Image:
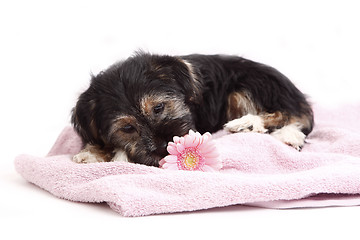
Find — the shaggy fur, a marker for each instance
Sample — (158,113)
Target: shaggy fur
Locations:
(135,107)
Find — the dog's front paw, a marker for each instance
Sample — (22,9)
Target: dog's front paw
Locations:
(86,156)
(247,123)
(290,135)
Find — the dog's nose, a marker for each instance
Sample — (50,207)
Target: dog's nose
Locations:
(161,149)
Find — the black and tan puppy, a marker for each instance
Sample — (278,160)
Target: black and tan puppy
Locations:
(135,107)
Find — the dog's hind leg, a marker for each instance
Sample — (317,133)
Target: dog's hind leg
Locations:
(242,114)
(245,116)
(288,129)
(247,123)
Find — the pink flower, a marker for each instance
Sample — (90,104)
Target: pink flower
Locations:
(192,152)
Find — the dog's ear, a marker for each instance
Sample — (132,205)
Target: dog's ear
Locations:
(182,72)
(84,121)
(190,82)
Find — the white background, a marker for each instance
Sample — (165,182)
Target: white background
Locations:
(49,48)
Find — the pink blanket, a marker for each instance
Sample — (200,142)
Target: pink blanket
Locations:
(258,170)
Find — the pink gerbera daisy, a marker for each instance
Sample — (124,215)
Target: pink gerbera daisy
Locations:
(192,152)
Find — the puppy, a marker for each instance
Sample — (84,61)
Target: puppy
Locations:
(135,107)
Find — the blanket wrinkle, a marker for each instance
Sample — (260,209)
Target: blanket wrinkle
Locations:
(258,170)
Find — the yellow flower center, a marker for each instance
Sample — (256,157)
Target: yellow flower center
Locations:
(190,159)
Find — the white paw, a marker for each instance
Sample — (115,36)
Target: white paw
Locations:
(290,135)
(247,123)
(86,157)
(120,156)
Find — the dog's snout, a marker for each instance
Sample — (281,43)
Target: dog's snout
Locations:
(161,149)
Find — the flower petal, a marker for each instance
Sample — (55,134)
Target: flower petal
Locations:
(207,168)
(197,134)
(207,147)
(191,132)
(182,140)
(176,139)
(202,144)
(180,147)
(171,148)
(206,137)
(197,142)
(188,140)
(171,159)
(207,134)
(162,162)
(213,154)
(170,166)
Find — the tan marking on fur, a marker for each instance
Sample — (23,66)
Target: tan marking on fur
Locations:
(176,108)
(280,119)
(275,120)
(163,76)
(155,67)
(173,107)
(132,148)
(120,122)
(240,104)
(304,120)
(128,141)
(155,71)
(147,104)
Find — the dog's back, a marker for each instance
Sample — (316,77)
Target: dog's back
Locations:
(234,87)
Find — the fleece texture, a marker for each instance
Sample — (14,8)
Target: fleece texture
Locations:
(257,170)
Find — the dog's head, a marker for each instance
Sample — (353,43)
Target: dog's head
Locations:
(138,105)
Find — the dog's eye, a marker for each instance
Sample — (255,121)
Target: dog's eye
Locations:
(128,129)
(159,108)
